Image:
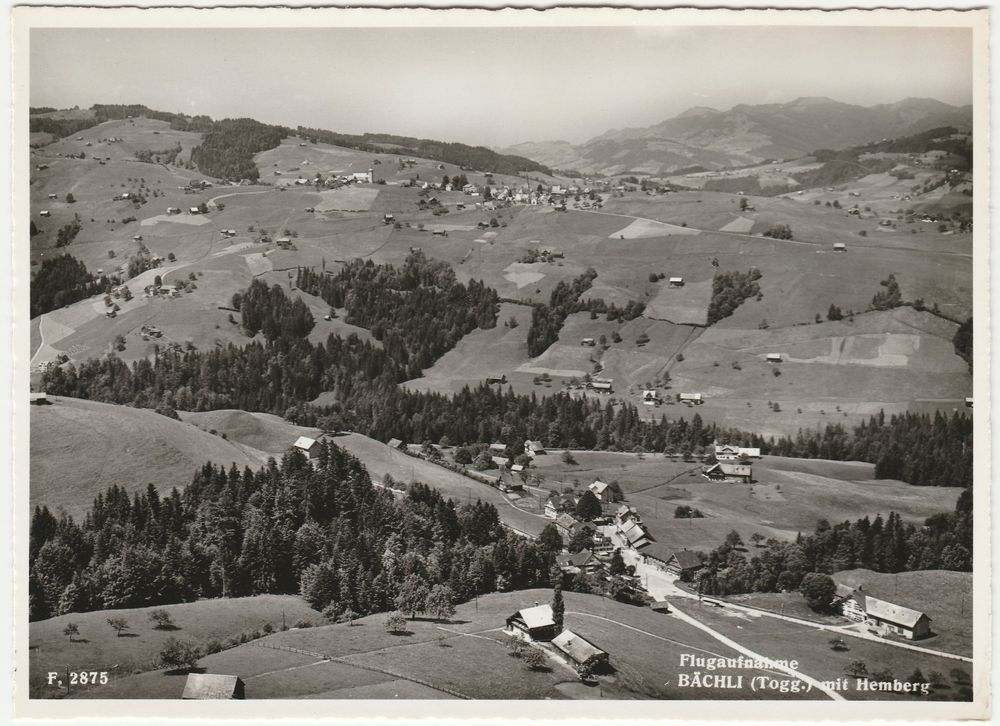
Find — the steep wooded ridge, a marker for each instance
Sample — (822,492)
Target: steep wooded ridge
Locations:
(745,134)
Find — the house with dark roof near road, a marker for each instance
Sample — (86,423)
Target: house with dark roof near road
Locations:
(684,563)
(881,615)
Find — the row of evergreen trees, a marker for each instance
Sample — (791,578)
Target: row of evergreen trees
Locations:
(919,448)
(321,529)
(943,542)
(729,290)
(547,320)
(462,155)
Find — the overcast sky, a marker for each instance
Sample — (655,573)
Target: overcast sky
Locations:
(492,86)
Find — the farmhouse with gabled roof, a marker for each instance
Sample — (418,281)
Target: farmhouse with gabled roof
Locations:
(536,622)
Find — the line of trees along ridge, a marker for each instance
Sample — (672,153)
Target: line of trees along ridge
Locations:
(462,155)
(943,542)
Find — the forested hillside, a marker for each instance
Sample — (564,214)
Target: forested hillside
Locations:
(63,280)
(322,530)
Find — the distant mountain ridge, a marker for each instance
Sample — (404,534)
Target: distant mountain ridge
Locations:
(745,134)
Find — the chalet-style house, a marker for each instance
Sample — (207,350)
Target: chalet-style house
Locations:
(735,453)
(603,545)
(600,490)
(560,504)
(626,512)
(881,615)
(309,447)
(579,650)
(566,524)
(582,561)
(684,563)
(533,448)
(724,471)
(634,534)
(535,622)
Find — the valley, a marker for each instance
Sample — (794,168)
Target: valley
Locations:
(351,373)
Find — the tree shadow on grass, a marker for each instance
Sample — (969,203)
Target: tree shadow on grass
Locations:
(78,640)
(170,627)
(401,632)
(128,635)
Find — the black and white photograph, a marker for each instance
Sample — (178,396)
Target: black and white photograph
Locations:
(427,356)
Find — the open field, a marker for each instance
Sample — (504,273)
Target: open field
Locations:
(481,353)
(945,595)
(80,448)
(927,263)
(789,495)
(830,369)
(261,431)
(351,199)
(682,305)
(810,646)
(98,647)
(642,228)
(365,660)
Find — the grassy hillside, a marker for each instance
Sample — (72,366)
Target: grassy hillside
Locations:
(789,496)
(97,647)
(368,662)
(811,647)
(522,512)
(80,448)
(262,431)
